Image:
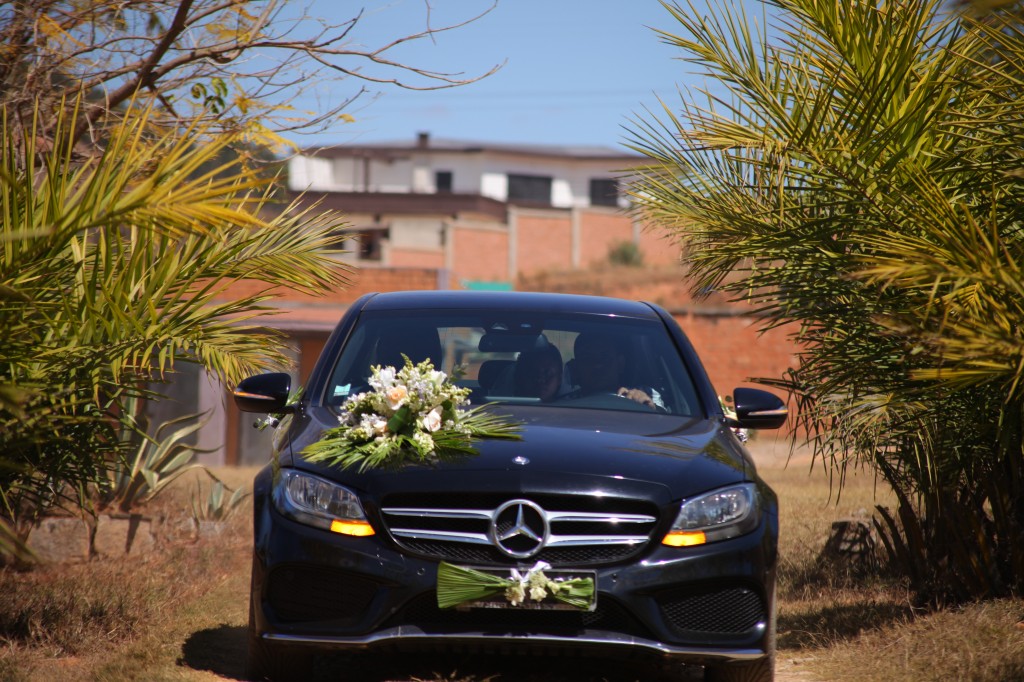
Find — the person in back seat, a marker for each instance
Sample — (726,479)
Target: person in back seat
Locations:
(539,373)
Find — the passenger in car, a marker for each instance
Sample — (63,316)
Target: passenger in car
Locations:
(539,373)
(599,367)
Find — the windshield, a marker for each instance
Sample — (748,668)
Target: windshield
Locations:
(558,360)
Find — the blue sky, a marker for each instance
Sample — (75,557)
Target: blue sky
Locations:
(575,71)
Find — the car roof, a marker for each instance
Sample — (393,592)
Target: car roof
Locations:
(509,300)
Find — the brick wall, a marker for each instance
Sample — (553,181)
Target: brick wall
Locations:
(418,258)
(544,240)
(734,350)
(599,232)
(543,243)
(657,247)
(479,254)
(363,280)
(367,279)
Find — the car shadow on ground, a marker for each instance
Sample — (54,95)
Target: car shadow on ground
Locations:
(221,651)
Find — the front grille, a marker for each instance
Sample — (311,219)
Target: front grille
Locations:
(594,555)
(724,611)
(297,592)
(582,530)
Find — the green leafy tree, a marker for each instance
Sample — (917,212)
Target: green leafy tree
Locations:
(852,169)
(114,268)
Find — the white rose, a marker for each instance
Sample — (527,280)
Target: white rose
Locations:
(382,379)
(537,593)
(432,420)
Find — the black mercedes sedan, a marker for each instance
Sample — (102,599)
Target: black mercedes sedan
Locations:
(619,514)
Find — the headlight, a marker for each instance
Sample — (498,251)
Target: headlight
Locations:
(317,502)
(718,515)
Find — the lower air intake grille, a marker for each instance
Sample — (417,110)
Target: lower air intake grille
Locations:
(727,611)
(309,593)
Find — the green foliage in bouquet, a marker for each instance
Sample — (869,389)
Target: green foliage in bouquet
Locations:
(413,415)
(460,585)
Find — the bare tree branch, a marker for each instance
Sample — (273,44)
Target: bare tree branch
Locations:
(236,63)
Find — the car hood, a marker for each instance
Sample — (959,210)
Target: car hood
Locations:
(663,458)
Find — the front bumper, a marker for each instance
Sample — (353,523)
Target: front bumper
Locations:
(703,604)
(610,643)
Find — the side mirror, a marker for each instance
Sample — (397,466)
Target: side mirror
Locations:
(757,409)
(264,393)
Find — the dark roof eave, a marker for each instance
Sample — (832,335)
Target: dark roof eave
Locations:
(404,203)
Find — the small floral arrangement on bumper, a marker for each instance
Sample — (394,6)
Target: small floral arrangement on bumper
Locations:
(413,415)
(460,585)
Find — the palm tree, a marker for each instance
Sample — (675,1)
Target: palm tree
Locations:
(853,173)
(111,273)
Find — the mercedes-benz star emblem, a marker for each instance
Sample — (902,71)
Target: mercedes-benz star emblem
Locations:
(519,528)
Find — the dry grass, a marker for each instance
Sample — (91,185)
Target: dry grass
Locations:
(180,614)
(838,624)
(109,619)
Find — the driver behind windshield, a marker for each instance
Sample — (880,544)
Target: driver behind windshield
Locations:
(600,366)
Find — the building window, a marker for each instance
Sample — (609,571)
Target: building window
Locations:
(604,192)
(370,243)
(530,188)
(443,182)
(365,242)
